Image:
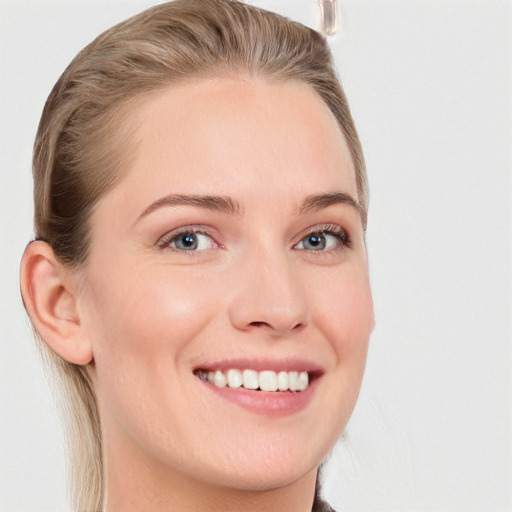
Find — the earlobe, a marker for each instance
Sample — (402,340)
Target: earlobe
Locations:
(50,299)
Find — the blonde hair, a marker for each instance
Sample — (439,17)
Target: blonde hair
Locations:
(80,146)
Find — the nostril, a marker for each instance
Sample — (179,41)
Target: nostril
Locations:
(259,324)
(292,327)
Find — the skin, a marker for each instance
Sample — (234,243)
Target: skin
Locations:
(145,314)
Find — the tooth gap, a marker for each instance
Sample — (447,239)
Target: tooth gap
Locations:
(201,374)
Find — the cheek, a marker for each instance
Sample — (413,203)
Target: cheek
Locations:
(344,313)
(143,328)
(140,325)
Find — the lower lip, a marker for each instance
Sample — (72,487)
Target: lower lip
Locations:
(276,403)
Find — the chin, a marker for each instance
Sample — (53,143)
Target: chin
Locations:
(263,478)
(265,467)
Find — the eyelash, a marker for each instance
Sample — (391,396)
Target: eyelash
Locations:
(340,234)
(165,241)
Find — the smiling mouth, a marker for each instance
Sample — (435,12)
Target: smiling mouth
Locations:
(266,380)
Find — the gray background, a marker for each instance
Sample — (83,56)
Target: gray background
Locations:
(430,86)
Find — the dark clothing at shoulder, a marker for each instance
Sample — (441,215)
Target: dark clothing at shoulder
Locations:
(319,505)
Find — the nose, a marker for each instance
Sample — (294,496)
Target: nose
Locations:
(269,297)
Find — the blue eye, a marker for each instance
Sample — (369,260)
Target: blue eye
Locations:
(315,242)
(189,241)
(324,240)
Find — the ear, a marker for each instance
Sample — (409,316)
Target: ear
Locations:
(49,292)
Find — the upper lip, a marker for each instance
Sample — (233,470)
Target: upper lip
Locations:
(258,364)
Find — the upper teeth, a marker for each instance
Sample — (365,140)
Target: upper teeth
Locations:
(266,380)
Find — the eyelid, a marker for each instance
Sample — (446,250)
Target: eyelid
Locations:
(330,229)
(164,241)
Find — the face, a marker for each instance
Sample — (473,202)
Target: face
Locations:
(231,250)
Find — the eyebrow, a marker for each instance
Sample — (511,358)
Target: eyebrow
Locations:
(317,202)
(313,202)
(213,203)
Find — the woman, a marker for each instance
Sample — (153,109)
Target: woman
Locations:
(199,278)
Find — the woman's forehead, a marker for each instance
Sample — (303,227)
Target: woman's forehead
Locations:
(235,137)
(217,124)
